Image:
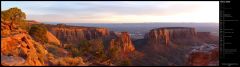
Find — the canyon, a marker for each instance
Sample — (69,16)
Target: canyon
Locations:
(168,45)
(68,45)
(123,43)
(167,35)
(72,34)
(164,46)
(165,41)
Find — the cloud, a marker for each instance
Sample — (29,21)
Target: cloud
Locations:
(115,11)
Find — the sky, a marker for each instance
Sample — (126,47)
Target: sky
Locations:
(118,11)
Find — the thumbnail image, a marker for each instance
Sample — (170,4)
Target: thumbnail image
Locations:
(109,33)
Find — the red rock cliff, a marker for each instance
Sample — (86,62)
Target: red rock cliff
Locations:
(73,34)
(204,55)
(18,48)
(50,37)
(123,43)
(170,34)
(21,45)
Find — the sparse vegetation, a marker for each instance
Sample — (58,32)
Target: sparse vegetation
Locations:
(15,16)
(67,61)
(97,49)
(38,31)
(74,50)
(41,51)
(93,49)
(84,46)
(114,53)
(126,62)
(52,49)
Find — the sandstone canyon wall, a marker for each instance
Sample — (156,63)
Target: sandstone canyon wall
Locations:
(169,45)
(51,38)
(204,55)
(169,35)
(73,34)
(123,42)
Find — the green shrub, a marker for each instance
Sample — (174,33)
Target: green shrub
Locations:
(68,61)
(15,16)
(94,47)
(74,50)
(97,49)
(84,46)
(113,53)
(125,63)
(38,32)
(53,49)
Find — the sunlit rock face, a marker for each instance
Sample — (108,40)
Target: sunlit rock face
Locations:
(18,48)
(204,55)
(168,35)
(8,28)
(123,42)
(123,46)
(22,47)
(168,45)
(51,38)
(73,34)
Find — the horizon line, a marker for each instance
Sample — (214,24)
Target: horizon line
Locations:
(127,23)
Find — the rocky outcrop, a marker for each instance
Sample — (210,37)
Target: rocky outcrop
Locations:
(204,55)
(11,60)
(22,46)
(207,37)
(9,28)
(73,34)
(51,38)
(167,35)
(18,48)
(167,46)
(123,43)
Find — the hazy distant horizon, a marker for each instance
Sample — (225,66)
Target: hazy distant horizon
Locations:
(127,23)
(118,11)
(145,27)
